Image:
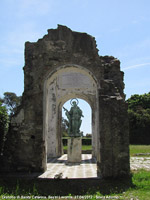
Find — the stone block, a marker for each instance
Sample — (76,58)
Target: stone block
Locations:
(74,150)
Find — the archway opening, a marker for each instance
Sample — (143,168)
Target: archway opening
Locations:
(65,83)
(59,167)
(85,129)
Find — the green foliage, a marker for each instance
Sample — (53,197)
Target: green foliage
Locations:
(81,133)
(12,101)
(8,107)
(108,189)
(4,120)
(85,141)
(137,102)
(1,100)
(89,135)
(84,147)
(142,179)
(139,118)
(64,127)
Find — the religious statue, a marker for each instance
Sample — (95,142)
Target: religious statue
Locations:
(74,119)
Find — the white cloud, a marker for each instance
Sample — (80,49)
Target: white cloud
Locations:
(10,62)
(114,30)
(135,51)
(135,66)
(34,7)
(140,19)
(26,32)
(12,48)
(7,49)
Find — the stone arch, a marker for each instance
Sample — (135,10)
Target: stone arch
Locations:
(68,81)
(60,52)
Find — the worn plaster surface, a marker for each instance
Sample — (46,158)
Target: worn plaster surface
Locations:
(70,81)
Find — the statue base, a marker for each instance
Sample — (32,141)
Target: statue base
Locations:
(74,150)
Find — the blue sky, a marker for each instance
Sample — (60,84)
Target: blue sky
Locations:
(121,29)
(87,113)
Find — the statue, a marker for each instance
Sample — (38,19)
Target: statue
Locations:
(74,118)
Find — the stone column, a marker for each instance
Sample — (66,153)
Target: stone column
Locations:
(74,150)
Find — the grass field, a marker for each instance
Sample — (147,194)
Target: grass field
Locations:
(84,147)
(138,190)
(134,149)
(111,189)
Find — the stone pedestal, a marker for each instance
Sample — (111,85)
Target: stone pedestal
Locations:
(74,150)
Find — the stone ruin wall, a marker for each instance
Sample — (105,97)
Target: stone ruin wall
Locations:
(25,145)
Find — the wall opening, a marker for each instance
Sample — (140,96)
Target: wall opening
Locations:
(85,129)
(59,167)
(65,83)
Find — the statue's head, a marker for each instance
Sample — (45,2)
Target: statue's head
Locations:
(74,103)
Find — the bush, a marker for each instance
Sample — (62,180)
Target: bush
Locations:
(85,141)
(139,119)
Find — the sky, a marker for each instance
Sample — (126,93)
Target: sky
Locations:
(121,29)
(86,127)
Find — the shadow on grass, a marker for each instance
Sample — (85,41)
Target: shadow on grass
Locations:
(63,187)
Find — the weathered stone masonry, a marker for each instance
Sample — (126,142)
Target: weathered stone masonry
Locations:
(63,65)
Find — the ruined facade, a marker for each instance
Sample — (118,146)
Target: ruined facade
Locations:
(60,66)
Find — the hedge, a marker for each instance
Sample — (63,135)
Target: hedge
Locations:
(85,141)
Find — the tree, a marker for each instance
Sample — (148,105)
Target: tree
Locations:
(139,118)
(12,101)
(4,120)
(1,100)
(81,133)
(8,107)
(64,126)
(89,135)
(136,102)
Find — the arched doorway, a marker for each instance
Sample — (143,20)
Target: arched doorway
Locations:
(86,127)
(67,82)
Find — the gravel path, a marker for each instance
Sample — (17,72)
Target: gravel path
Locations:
(140,163)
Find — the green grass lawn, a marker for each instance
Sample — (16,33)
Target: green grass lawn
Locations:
(138,190)
(84,147)
(110,189)
(134,149)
